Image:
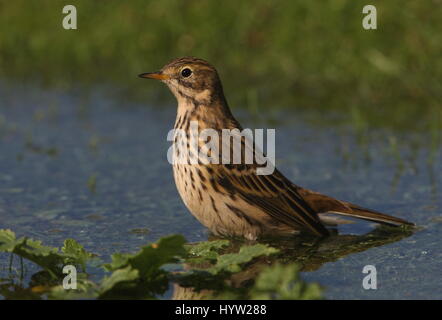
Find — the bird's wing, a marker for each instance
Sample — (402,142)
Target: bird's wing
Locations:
(273,194)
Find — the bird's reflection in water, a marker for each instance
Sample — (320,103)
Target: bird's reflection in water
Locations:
(310,253)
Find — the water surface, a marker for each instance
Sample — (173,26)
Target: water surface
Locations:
(94,168)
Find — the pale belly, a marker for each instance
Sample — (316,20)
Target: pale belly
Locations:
(221,214)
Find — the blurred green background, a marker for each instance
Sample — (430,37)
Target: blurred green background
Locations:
(270,54)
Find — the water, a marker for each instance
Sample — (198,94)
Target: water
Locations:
(95,169)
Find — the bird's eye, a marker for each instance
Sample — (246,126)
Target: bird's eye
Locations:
(186,72)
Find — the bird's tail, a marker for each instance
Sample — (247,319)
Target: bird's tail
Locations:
(371,215)
(325,205)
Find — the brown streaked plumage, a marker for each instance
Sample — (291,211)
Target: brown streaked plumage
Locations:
(231,199)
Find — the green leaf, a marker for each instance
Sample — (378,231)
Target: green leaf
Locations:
(7,241)
(146,274)
(118,276)
(86,289)
(46,257)
(152,257)
(283,282)
(75,252)
(232,262)
(119,260)
(206,251)
(151,279)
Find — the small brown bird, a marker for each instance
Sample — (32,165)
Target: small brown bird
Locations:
(232,199)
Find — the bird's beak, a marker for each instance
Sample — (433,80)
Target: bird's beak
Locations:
(154,75)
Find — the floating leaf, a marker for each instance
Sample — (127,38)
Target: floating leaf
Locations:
(207,250)
(92,183)
(44,256)
(147,273)
(152,256)
(118,276)
(151,278)
(7,240)
(49,258)
(283,282)
(77,252)
(231,262)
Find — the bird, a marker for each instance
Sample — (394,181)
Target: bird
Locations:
(231,199)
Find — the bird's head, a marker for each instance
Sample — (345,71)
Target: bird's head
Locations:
(191,80)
